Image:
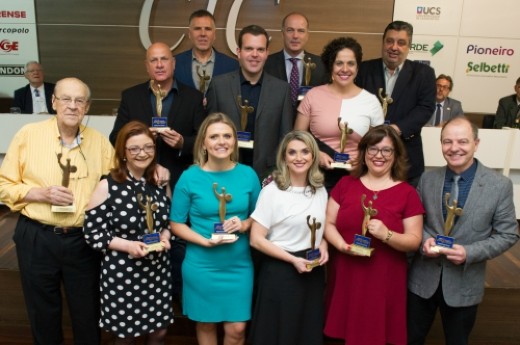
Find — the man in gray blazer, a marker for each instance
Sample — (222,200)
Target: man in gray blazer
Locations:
(452,279)
(445,107)
(270,115)
(508,111)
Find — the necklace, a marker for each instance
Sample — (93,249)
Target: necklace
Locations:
(374,195)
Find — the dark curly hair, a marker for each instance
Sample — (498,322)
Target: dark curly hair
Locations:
(331,50)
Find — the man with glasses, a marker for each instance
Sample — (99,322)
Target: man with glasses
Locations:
(48,174)
(409,84)
(445,107)
(508,110)
(35,97)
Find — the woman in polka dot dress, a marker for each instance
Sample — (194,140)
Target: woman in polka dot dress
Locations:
(135,281)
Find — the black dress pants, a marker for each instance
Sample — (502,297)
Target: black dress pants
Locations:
(46,261)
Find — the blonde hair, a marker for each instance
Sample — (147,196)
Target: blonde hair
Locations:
(200,155)
(282,176)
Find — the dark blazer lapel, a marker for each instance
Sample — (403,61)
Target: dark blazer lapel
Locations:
(404,78)
(28,99)
(264,94)
(235,90)
(438,196)
(280,65)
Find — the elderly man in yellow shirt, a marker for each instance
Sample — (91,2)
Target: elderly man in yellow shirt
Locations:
(48,174)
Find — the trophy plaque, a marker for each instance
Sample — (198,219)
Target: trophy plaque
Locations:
(385,101)
(309,66)
(203,80)
(361,244)
(159,123)
(244,137)
(66,169)
(313,254)
(341,158)
(152,239)
(218,230)
(445,241)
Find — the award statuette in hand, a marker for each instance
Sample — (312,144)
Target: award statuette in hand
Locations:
(361,244)
(313,254)
(66,169)
(385,102)
(341,158)
(308,67)
(244,137)
(223,198)
(159,122)
(152,239)
(445,241)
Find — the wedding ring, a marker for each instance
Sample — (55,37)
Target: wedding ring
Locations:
(233,221)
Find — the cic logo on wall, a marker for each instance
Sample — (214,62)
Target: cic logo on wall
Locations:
(146,11)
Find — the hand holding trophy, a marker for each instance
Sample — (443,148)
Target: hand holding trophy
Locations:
(67,169)
(340,158)
(218,230)
(152,239)
(159,122)
(244,137)
(313,254)
(361,244)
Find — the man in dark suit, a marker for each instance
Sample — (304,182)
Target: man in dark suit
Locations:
(445,107)
(410,84)
(452,279)
(35,97)
(181,105)
(270,114)
(508,111)
(295,33)
(196,66)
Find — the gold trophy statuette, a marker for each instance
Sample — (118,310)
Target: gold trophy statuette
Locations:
(309,67)
(203,80)
(385,100)
(152,238)
(66,169)
(451,211)
(341,158)
(159,122)
(223,198)
(361,244)
(244,138)
(313,254)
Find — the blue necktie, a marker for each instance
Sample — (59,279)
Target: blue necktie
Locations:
(36,93)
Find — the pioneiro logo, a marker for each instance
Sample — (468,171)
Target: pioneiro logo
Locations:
(12,70)
(8,46)
(428,13)
(425,47)
(473,49)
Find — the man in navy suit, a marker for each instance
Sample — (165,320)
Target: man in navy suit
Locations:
(446,107)
(270,114)
(410,84)
(198,65)
(295,33)
(35,97)
(452,279)
(508,111)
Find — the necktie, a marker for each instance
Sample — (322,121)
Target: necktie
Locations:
(36,93)
(294,80)
(437,115)
(455,189)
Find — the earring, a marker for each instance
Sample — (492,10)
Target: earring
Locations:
(204,152)
(124,159)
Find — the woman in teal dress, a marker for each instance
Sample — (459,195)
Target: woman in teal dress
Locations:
(217,272)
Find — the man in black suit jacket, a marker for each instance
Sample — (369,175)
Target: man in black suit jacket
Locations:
(410,84)
(295,33)
(35,97)
(508,111)
(182,105)
(271,117)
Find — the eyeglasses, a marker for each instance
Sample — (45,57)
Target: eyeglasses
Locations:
(385,151)
(33,70)
(80,102)
(135,150)
(443,87)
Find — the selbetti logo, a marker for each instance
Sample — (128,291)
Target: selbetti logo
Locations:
(484,67)
(8,46)
(425,47)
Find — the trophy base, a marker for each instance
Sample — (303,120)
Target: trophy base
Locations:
(155,247)
(313,264)
(362,251)
(339,165)
(224,237)
(159,129)
(63,209)
(246,144)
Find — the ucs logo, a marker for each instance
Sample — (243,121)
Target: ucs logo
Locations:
(8,46)
(436,11)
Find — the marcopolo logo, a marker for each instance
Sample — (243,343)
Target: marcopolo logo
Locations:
(8,46)
(473,49)
(425,47)
(12,70)
(428,13)
(487,68)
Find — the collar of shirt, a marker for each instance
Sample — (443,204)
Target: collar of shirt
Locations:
(211,58)
(77,140)
(40,89)
(288,65)
(466,175)
(396,71)
(243,79)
